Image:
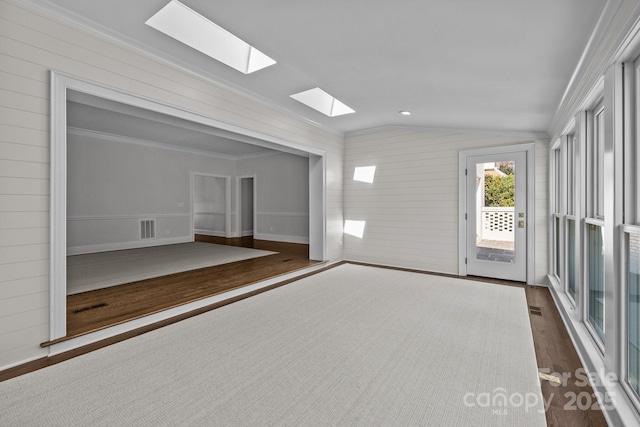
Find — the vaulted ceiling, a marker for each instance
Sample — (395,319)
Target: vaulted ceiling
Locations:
(473,64)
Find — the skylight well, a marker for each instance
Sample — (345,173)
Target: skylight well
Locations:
(189,27)
(321,101)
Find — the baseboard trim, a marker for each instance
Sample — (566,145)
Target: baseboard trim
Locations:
(210,233)
(90,249)
(281,238)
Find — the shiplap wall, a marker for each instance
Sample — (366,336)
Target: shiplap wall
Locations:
(411,209)
(32,43)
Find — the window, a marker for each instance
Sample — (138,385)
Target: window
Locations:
(631,245)
(595,275)
(595,168)
(571,174)
(556,165)
(633,310)
(570,218)
(571,258)
(594,221)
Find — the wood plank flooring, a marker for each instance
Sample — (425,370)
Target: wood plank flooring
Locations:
(91,311)
(555,353)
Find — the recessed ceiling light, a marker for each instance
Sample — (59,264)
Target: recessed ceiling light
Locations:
(320,100)
(405,113)
(189,27)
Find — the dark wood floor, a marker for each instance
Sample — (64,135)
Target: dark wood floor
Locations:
(554,350)
(556,354)
(99,309)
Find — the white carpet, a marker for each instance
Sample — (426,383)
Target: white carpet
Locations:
(349,346)
(89,272)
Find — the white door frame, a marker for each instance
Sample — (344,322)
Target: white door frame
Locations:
(60,84)
(529,149)
(239,205)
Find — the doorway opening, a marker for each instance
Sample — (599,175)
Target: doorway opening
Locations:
(246,203)
(62,88)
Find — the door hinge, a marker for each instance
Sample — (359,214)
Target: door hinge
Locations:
(465,260)
(465,216)
(465,172)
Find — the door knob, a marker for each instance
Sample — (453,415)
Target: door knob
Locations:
(520,224)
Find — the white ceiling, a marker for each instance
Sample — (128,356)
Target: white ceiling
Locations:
(470,64)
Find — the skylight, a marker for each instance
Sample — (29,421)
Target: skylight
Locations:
(364,173)
(189,27)
(354,228)
(320,100)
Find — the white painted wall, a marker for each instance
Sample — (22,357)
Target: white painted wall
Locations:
(282,196)
(411,209)
(31,44)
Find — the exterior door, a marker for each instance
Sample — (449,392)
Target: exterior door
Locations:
(496,222)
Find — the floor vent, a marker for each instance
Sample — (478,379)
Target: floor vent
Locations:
(535,310)
(147,229)
(92,307)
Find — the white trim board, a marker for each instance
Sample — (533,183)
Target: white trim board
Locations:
(281,238)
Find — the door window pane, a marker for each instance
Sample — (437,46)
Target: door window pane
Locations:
(633,276)
(595,266)
(495,219)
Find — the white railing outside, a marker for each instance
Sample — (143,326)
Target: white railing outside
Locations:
(497,224)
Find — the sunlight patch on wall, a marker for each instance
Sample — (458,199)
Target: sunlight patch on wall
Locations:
(364,173)
(354,228)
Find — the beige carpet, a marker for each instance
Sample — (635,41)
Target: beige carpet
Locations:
(349,346)
(89,272)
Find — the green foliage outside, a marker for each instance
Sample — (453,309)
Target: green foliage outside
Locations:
(499,191)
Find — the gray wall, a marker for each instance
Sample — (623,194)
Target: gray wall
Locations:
(115,182)
(282,189)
